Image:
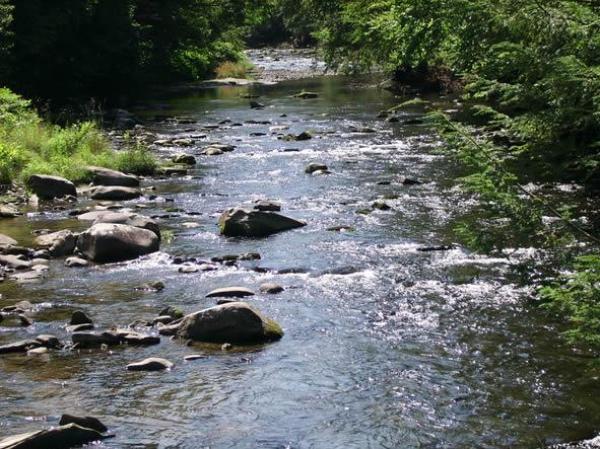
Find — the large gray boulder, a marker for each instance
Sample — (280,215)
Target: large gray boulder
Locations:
(106,177)
(61,243)
(253,223)
(104,242)
(49,187)
(115,193)
(138,221)
(235,322)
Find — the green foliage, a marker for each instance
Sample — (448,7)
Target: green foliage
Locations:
(11,161)
(135,158)
(577,296)
(29,145)
(66,50)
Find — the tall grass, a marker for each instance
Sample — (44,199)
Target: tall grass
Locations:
(30,145)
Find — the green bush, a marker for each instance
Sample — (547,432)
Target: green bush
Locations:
(136,161)
(11,161)
(28,145)
(575,297)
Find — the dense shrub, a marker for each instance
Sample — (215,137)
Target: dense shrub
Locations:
(29,145)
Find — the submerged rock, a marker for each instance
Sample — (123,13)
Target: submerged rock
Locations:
(229,323)
(267,206)
(115,193)
(137,339)
(381,205)
(49,187)
(239,222)
(95,339)
(230,292)
(62,437)
(315,167)
(151,364)
(186,159)
(306,95)
(106,177)
(105,243)
(305,135)
(210,151)
(271,288)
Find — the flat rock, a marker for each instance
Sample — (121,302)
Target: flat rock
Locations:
(14,262)
(49,187)
(230,292)
(306,95)
(106,177)
(239,222)
(191,358)
(27,276)
(114,193)
(137,339)
(236,323)
(63,437)
(150,364)
(104,243)
(19,346)
(95,339)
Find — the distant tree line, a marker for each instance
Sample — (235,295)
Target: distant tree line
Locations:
(63,49)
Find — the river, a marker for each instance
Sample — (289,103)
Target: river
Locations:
(385,346)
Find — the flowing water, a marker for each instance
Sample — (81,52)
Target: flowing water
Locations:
(385,346)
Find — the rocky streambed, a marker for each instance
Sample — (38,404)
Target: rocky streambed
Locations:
(291,279)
